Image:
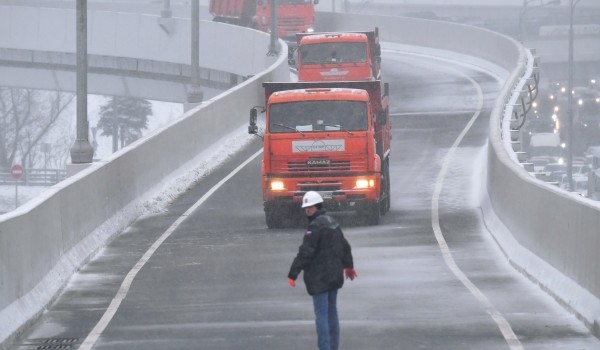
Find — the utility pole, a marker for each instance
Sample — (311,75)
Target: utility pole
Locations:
(81,151)
(274,47)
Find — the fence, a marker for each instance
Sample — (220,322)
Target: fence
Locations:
(34,177)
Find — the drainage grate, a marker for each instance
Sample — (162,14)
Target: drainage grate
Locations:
(58,343)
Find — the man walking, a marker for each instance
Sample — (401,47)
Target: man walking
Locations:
(325,256)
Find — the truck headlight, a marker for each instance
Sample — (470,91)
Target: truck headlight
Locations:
(277,185)
(365,183)
(310,30)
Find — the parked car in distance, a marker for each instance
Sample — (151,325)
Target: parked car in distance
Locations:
(539,162)
(580,184)
(551,168)
(581,169)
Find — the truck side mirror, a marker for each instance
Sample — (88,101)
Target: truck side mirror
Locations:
(316,2)
(253,128)
(291,60)
(386,89)
(378,51)
(383,116)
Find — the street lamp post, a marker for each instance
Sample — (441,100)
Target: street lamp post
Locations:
(522,13)
(572,4)
(165,21)
(195,94)
(274,46)
(166,11)
(81,151)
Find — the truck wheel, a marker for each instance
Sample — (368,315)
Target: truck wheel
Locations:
(272,217)
(384,206)
(388,192)
(372,213)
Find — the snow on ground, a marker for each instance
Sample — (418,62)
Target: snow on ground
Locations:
(9,199)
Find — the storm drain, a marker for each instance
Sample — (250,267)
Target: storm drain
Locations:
(58,343)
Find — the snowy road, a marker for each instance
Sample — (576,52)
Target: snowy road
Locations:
(430,277)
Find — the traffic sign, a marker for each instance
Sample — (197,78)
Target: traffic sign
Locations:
(16,171)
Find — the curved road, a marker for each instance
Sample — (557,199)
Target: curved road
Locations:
(207,274)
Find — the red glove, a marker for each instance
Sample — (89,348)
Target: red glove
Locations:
(291,282)
(350,273)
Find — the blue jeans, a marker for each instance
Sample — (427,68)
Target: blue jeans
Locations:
(326,320)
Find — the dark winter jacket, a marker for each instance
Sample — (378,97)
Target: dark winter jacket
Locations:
(323,255)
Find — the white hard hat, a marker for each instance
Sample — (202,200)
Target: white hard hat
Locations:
(311,198)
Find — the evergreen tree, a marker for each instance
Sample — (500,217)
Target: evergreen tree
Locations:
(124,118)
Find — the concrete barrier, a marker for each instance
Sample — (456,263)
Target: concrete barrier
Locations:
(132,44)
(45,241)
(129,35)
(553,237)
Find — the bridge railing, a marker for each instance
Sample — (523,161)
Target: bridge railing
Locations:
(33,177)
(123,66)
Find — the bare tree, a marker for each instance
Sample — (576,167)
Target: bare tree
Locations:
(26,117)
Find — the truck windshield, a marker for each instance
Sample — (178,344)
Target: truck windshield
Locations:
(306,116)
(325,53)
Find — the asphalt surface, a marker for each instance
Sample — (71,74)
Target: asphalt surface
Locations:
(219,280)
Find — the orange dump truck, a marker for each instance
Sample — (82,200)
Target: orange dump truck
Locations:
(345,56)
(333,138)
(293,16)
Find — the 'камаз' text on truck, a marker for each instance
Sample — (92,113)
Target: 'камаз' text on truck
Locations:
(345,56)
(293,16)
(333,138)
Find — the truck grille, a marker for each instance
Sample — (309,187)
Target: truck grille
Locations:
(325,167)
(319,186)
(291,22)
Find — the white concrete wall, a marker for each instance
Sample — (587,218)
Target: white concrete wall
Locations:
(44,242)
(551,236)
(131,35)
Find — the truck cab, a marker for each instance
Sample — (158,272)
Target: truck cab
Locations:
(348,56)
(326,139)
(293,16)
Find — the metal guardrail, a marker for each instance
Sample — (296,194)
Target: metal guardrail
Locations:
(517,105)
(34,177)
